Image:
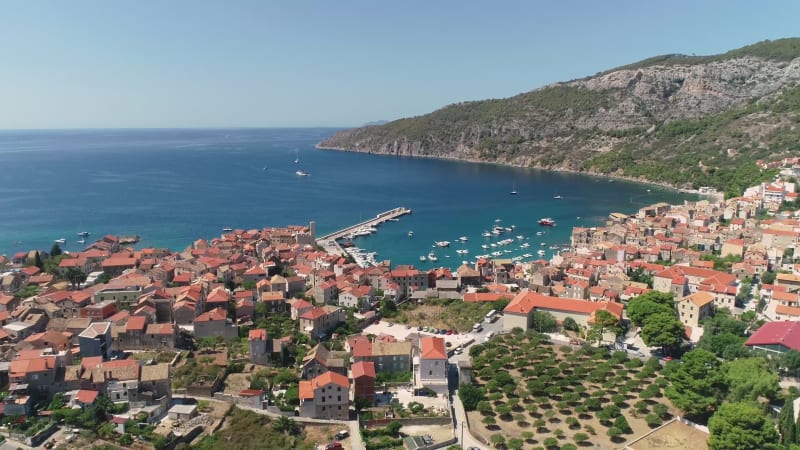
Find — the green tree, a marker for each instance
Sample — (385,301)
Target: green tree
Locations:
(749,379)
(786,423)
(570,324)
(604,322)
(768,277)
(741,426)
(55,250)
(470,396)
(622,423)
(698,385)
(543,322)
(663,330)
(645,305)
(75,276)
(515,443)
(37,260)
(497,440)
(388,308)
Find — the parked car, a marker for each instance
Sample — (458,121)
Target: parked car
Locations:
(334,446)
(427,440)
(442,331)
(420,328)
(342,434)
(458,351)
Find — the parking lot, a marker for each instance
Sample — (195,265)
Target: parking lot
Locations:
(401,332)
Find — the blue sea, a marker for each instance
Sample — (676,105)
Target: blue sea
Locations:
(172,186)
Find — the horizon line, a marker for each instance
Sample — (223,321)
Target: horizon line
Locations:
(184,128)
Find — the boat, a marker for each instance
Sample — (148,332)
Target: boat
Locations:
(538,233)
(463,239)
(84,234)
(462,252)
(423,258)
(432,257)
(557,197)
(443,244)
(541,252)
(81,241)
(227,230)
(520,237)
(547,221)
(265,168)
(296,157)
(410,234)
(513,189)
(486,234)
(301,173)
(60,241)
(543,244)
(484,246)
(497,220)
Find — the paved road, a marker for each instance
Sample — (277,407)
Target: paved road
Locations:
(462,434)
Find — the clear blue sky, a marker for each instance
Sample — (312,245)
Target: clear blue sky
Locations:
(94,64)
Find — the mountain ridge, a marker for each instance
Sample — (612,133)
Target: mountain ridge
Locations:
(682,121)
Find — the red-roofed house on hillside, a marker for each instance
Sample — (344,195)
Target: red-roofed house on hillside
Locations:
(776,337)
(430,366)
(320,320)
(363,375)
(326,396)
(214,323)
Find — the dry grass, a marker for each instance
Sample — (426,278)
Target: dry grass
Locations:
(673,436)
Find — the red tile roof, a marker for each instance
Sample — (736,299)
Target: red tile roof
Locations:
(258,334)
(86,396)
(432,348)
(136,323)
(363,369)
(783,333)
(215,314)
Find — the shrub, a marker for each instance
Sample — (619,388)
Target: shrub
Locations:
(652,420)
(614,432)
(580,437)
(550,442)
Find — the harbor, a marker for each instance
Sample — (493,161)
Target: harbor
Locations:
(364,259)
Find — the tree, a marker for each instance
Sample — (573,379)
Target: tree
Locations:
(698,385)
(388,308)
(55,250)
(768,277)
(75,276)
(622,423)
(749,379)
(580,437)
(645,305)
(543,322)
(37,260)
(570,324)
(515,443)
(470,396)
(663,330)
(741,426)
(614,433)
(604,322)
(489,421)
(283,424)
(786,423)
(497,439)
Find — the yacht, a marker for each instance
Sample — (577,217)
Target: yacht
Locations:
(443,244)
(81,241)
(301,173)
(60,241)
(541,252)
(462,252)
(227,230)
(513,189)
(557,197)
(410,234)
(547,221)
(463,239)
(84,234)
(486,234)
(296,157)
(423,258)
(484,246)
(432,257)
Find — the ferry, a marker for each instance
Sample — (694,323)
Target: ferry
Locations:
(301,173)
(443,244)
(84,234)
(547,222)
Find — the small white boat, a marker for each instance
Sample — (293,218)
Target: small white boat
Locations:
(543,244)
(486,234)
(423,258)
(301,173)
(520,237)
(81,241)
(462,251)
(538,233)
(227,230)
(296,157)
(541,252)
(484,246)
(432,257)
(60,241)
(463,239)
(84,234)
(410,234)
(513,189)
(443,244)
(557,197)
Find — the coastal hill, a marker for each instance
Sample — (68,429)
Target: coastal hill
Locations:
(686,121)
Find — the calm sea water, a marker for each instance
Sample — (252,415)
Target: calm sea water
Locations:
(173,186)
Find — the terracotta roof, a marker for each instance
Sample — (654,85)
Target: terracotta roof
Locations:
(527,301)
(136,323)
(258,334)
(363,369)
(432,348)
(213,315)
(787,310)
(783,333)
(700,298)
(86,396)
(306,390)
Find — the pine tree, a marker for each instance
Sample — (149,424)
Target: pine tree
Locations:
(786,423)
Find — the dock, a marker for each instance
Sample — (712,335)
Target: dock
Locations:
(328,241)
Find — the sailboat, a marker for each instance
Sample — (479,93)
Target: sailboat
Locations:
(513,189)
(296,157)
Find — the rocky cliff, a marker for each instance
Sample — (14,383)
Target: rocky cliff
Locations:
(683,120)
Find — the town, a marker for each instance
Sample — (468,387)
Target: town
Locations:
(119,346)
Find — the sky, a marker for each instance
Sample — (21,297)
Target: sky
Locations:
(176,64)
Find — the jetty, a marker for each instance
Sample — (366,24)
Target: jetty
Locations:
(328,241)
